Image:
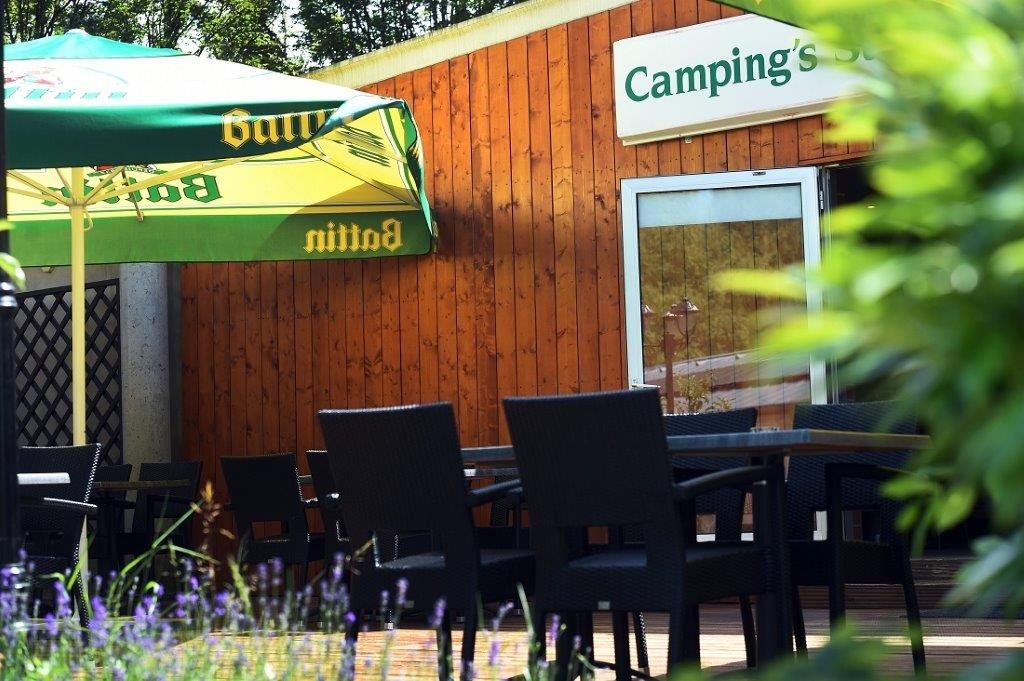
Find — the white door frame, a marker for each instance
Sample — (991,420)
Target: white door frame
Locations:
(807,178)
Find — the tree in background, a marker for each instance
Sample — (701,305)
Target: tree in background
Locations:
(253,32)
(340,29)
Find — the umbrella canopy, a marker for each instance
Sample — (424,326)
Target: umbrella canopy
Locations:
(301,169)
(163,156)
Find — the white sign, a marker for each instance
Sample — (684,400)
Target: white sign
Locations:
(724,74)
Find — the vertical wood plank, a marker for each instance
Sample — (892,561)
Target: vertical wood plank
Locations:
(728,11)
(647,164)
(409,315)
(583,202)
(715,153)
(686,13)
(390,322)
(221,362)
(621,26)
(564,217)
(337,349)
(268,337)
(465,240)
(447,343)
(809,132)
(236,341)
(355,380)
(663,19)
(762,146)
(426,266)
(609,314)
(305,419)
(522,218)
(483,254)
(737,144)
(288,438)
(253,362)
(543,216)
(504,244)
(190,362)
(319,279)
(708,10)
(785,144)
(373,317)
(204,366)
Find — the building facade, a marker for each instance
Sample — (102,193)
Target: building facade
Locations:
(568,261)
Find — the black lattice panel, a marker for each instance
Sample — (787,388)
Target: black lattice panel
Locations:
(43,349)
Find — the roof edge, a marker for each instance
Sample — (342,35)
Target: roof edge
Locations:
(463,38)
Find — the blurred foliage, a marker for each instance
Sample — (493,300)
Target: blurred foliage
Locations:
(925,281)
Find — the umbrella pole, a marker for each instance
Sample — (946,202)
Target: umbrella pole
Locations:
(78,305)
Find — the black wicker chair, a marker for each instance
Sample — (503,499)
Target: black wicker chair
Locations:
(840,483)
(159,506)
(53,515)
(399,470)
(725,504)
(267,489)
(335,536)
(601,460)
(110,520)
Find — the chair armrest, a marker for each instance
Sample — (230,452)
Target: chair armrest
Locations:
(312,502)
(733,477)
(499,490)
(64,505)
(331,502)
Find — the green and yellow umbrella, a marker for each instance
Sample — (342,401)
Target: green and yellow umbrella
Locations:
(161,156)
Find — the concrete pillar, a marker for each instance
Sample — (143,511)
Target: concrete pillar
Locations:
(145,363)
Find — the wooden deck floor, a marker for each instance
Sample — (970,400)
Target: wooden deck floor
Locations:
(952,644)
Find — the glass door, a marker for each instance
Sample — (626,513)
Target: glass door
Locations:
(683,335)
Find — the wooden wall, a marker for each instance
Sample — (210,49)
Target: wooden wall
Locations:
(524,295)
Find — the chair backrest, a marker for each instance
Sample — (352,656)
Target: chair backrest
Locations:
(399,470)
(595,460)
(805,481)
(266,489)
(153,503)
(51,532)
(725,504)
(320,471)
(121,472)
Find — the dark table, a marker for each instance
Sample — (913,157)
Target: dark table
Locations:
(769,447)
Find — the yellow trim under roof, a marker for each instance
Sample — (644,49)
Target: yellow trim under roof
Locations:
(468,36)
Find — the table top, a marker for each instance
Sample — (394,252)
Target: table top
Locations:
(44,479)
(137,484)
(799,442)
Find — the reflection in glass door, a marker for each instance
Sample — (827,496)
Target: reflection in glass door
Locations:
(685,336)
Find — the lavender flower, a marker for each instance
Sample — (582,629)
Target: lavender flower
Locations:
(402,586)
(556,625)
(98,631)
(492,656)
(437,617)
